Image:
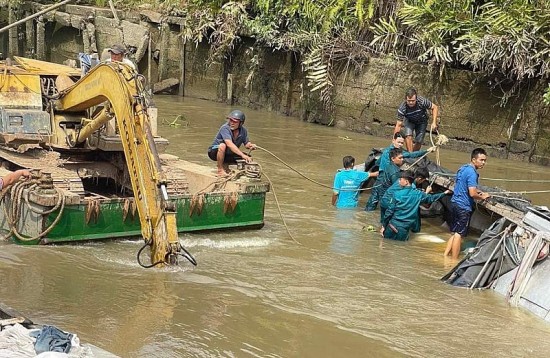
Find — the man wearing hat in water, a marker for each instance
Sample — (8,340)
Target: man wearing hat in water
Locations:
(117,53)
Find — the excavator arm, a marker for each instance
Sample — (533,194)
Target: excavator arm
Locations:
(121,86)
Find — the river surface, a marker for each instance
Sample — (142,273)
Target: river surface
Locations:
(341,292)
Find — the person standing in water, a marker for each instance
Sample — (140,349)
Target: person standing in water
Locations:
(462,202)
(347,183)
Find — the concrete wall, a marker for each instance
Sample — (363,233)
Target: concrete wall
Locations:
(365,101)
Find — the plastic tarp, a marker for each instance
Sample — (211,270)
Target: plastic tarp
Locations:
(495,254)
(16,342)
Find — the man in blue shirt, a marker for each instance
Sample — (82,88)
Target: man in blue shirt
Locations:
(347,183)
(225,148)
(462,202)
(413,115)
(401,216)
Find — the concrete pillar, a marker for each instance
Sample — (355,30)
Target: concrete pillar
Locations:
(229,98)
(164,45)
(85,37)
(149,60)
(289,71)
(40,39)
(181,89)
(90,31)
(30,38)
(13,43)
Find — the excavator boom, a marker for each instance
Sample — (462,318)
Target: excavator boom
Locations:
(122,88)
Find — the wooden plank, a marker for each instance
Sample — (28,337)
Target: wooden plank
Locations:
(510,213)
(165,84)
(10,321)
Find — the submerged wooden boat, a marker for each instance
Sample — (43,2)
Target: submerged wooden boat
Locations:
(82,187)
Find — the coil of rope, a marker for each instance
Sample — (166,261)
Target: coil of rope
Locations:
(440,140)
(13,209)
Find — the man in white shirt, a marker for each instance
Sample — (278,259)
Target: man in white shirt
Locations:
(117,53)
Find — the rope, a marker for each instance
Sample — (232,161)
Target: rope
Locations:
(437,161)
(308,178)
(13,210)
(520,192)
(517,180)
(510,198)
(294,170)
(440,140)
(279,209)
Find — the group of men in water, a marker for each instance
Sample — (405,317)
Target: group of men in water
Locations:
(400,193)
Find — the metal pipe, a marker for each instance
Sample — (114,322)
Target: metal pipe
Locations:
(41,12)
(490,258)
(149,59)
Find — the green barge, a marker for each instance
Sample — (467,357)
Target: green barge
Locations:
(98,168)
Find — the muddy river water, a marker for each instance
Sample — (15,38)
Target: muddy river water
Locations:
(341,292)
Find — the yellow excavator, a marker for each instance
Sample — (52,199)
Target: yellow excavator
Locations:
(123,88)
(41,105)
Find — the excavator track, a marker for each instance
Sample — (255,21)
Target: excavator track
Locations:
(48,162)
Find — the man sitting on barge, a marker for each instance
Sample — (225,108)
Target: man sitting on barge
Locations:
(225,148)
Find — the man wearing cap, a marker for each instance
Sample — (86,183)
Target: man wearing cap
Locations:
(117,53)
(401,216)
(225,148)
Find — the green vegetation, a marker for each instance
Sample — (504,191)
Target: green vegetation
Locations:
(507,40)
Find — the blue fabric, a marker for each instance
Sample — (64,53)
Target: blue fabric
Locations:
(387,199)
(51,339)
(460,220)
(388,195)
(226,133)
(466,178)
(346,185)
(401,216)
(384,159)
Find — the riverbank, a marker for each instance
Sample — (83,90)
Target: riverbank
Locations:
(259,77)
